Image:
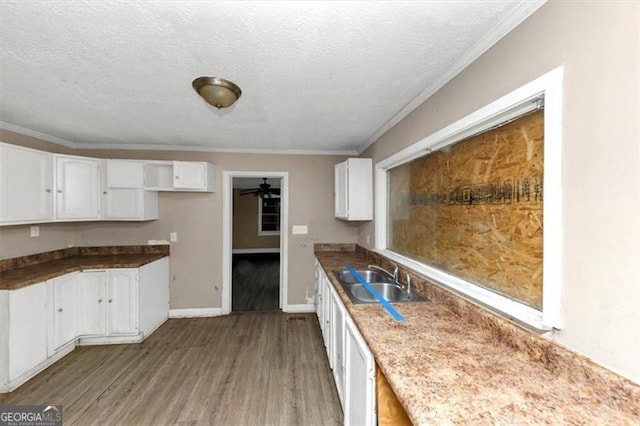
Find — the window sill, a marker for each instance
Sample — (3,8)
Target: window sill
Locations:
(503,305)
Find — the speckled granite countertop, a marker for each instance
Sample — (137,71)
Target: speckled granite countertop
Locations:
(23,271)
(452,363)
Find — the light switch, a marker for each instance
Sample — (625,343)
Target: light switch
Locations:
(299,230)
(35,231)
(173,237)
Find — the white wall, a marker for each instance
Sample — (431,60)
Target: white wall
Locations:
(597,42)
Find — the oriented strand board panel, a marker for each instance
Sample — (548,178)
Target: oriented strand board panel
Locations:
(475,209)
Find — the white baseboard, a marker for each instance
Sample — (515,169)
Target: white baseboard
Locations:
(195,312)
(256,250)
(307,307)
(13,384)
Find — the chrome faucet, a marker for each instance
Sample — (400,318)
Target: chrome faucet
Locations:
(380,268)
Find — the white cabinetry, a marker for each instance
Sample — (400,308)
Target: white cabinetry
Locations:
(26,185)
(327,328)
(337,343)
(123,194)
(23,330)
(64,297)
(354,189)
(77,188)
(359,401)
(179,176)
(92,290)
(41,323)
(38,186)
(349,356)
(122,301)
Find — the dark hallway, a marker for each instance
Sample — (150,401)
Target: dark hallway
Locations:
(256,282)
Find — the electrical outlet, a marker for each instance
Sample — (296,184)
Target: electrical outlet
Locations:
(173,237)
(35,231)
(368,239)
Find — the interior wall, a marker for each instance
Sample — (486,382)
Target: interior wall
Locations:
(196,258)
(597,42)
(245,224)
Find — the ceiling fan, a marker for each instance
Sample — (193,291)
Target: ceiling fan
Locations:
(262,191)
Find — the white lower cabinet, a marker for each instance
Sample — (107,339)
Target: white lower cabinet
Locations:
(41,323)
(23,324)
(122,301)
(360,383)
(64,298)
(349,356)
(337,343)
(93,302)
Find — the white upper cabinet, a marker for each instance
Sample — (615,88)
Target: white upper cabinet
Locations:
(38,186)
(354,189)
(77,188)
(189,175)
(123,196)
(179,176)
(124,174)
(26,185)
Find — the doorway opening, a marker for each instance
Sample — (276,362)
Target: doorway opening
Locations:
(254,248)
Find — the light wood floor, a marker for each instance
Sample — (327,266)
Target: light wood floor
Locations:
(255,282)
(242,369)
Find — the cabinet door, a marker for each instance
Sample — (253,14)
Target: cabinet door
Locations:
(92,303)
(122,301)
(122,203)
(326,315)
(77,188)
(26,183)
(189,175)
(318,292)
(27,328)
(359,400)
(66,322)
(341,190)
(337,344)
(125,174)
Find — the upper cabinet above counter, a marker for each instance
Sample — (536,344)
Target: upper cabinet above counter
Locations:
(179,176)
(38,186)
(354,189)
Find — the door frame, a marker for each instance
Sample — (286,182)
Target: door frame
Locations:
(227,232)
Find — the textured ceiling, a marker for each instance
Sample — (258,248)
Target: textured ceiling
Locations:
(315,76)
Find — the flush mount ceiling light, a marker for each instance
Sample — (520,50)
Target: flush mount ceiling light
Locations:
(217,91)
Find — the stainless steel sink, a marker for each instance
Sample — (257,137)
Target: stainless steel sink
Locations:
(369,275)
(391,291)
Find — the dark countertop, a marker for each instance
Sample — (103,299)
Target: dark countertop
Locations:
(447,368)
(28,270)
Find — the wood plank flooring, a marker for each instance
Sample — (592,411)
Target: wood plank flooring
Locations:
(255,282)
(263,368)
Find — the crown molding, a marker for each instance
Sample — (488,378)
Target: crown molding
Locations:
(38,135)
(201,148)
(521,12)
(156,147)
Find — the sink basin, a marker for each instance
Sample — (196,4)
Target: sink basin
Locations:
(391,291)
(369,275)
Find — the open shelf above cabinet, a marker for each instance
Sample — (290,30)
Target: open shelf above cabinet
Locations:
(179,176)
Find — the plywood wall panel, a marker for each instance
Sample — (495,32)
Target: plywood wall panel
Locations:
(475,209)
